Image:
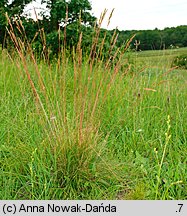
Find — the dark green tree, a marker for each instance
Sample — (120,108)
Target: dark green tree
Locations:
(63,12)
(3,22)
(13,8)
(16,7)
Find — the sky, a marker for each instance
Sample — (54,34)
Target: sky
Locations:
(143,14)
(140,14)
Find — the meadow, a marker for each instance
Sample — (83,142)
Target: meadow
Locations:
(160,58)
(81,129)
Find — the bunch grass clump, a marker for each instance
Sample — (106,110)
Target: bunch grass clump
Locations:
(64,157)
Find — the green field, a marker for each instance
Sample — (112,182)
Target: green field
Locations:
(76,131)
(160,58)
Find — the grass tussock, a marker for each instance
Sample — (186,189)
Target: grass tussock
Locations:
(90,128)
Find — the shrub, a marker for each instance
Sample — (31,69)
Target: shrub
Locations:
(180,61)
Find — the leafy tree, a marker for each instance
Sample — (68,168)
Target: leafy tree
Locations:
(75,10)
(13,8)
(3,10)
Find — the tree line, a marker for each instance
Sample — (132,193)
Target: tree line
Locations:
(64,20)
(156,39)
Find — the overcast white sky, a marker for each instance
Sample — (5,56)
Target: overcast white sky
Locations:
(142,14)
